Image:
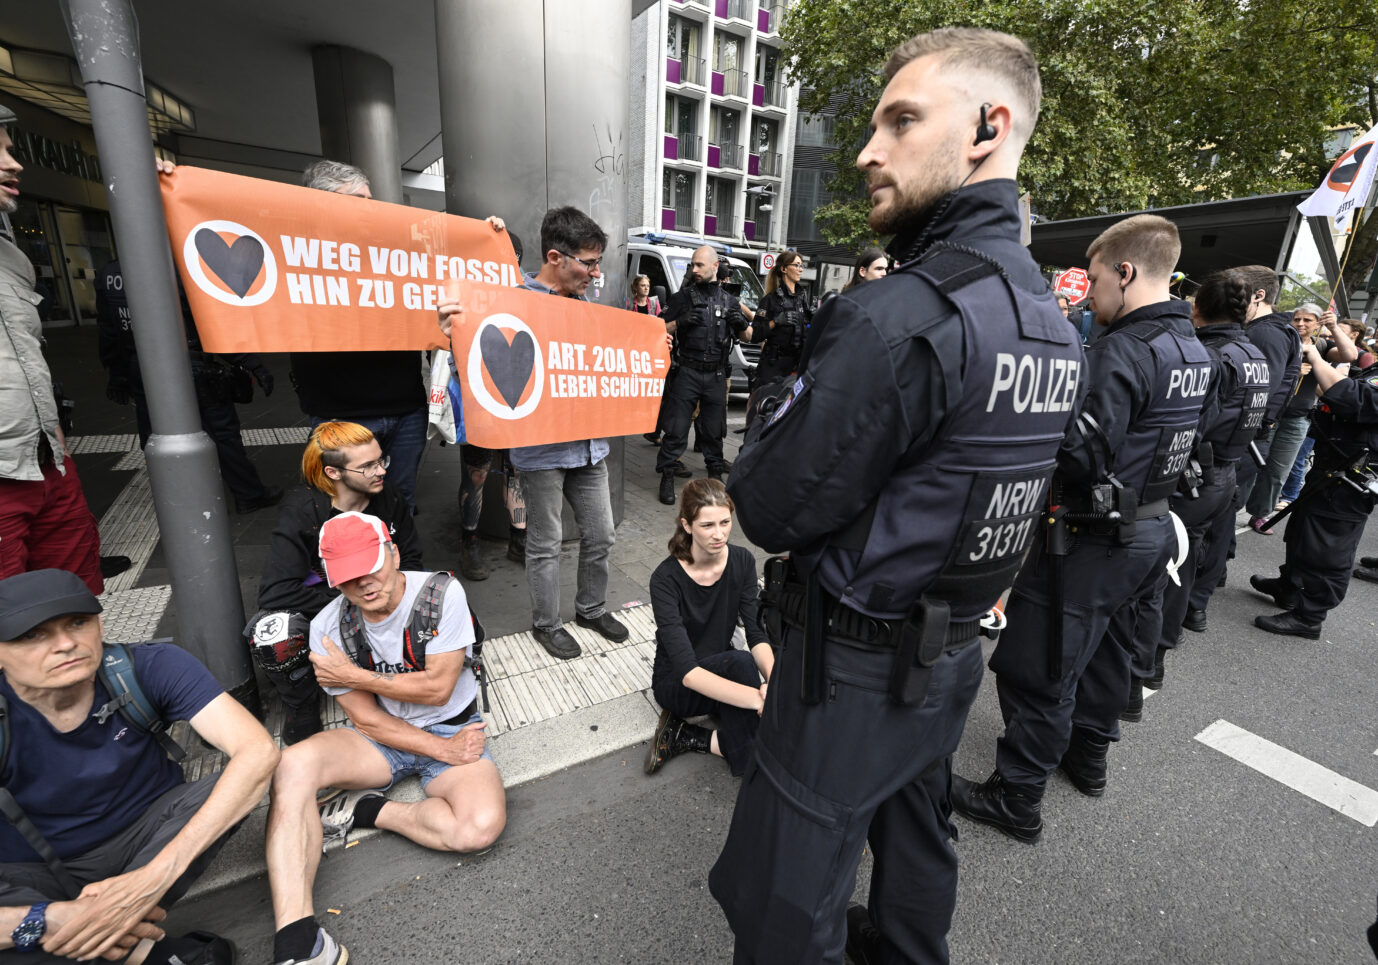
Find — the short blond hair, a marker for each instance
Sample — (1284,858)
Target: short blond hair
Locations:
(1147,241)
(991,52)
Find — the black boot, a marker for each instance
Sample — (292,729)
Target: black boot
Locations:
(516,545)
(1084,761)
(1155,682)
(1134,710)
(471,557)
(667,487)
(865,945)
(1288,624)
(1015,809)
(675,736)
(1284,594)
(1195,621)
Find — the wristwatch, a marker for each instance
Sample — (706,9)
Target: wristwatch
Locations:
(29,932)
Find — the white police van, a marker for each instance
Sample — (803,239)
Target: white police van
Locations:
(664,257)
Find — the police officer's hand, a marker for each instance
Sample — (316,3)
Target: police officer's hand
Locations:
(264,378)
(117,389)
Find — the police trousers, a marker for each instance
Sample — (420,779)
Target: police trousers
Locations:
(826,778)
(1102,584)
(1322,537)
(1199,516)
(709,391)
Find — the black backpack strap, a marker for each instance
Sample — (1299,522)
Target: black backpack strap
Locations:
(127,697)
(352,636)
(424,623)
(13,813)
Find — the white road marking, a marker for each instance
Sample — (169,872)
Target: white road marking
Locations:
(1286,767)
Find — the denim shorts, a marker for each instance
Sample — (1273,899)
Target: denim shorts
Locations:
(405,763)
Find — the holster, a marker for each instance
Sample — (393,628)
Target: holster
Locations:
(776,571)
(1057,548)
(922,639)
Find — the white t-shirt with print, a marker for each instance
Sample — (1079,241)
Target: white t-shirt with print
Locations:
(385,640)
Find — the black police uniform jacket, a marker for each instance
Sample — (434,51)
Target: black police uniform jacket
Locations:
(706,319)
(1281,345)
(1346,420)
(1148,377)
(792,317)
(1241,397)
(944,423)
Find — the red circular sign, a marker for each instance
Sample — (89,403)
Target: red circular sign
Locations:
(1073,283)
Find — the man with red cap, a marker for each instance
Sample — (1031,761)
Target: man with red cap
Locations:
(392,650)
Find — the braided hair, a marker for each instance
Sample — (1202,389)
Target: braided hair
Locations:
(1224,297)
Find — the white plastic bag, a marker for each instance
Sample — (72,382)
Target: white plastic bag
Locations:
(440,414)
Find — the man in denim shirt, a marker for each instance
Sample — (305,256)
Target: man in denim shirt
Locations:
(572,245)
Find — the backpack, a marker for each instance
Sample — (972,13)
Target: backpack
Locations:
(127,698)
(422,625)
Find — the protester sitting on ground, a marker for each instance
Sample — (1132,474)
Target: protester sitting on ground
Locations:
(345,470)
(409,713)
(871,264)
(697,595)
(125,834)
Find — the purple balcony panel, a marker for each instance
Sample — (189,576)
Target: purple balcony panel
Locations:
(718,82)
(667,219)
(749,229)
(672,71)
(671,147)
(763,21)
(758,94)
(753,164)
(710,222)
(721,8)
(714,156)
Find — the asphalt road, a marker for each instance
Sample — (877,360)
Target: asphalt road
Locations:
(1191,857)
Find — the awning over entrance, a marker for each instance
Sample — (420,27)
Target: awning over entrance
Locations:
(1215,234)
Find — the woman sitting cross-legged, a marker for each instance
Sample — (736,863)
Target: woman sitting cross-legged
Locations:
(697,595)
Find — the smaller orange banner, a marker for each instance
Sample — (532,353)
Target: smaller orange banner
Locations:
(536,368)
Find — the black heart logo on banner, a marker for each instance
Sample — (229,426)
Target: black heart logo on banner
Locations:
(237,265)
(508,365)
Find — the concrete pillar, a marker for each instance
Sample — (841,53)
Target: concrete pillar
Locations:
(188,496)
(533,115)
(358,114)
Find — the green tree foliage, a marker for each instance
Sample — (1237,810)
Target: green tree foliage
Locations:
(1146,103)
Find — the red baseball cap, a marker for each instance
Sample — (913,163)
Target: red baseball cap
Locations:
(353,545)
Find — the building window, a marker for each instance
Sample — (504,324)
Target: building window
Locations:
(816,130)
(806,196)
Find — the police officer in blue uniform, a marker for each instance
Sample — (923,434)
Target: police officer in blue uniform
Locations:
(704,319)
(1110,535)
(1230,420)
(1328,517)
(1273,334)
(904,471)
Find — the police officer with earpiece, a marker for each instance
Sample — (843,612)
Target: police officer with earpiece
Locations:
(1107,538)
(904,471)
(704,318)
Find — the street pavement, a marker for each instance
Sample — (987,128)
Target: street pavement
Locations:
(1192,856)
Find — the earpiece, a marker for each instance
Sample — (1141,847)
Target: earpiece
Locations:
(985,131)
(1126,270)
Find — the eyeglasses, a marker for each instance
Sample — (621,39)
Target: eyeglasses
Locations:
(591,264)
(370,469)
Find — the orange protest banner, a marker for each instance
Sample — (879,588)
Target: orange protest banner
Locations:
(537,368)
(272,267)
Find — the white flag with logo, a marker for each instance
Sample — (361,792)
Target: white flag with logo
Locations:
(1346,187)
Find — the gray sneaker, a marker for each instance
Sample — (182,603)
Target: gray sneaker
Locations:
(327,952)
(337,817)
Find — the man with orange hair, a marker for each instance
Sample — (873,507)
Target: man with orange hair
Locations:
(345,471)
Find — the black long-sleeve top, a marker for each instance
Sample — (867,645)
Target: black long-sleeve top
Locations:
(293,577)
(1281,345)
(693,621)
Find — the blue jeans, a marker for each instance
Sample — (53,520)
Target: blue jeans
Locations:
(586,488)
(403,438)
(406,763)
(1287,439)
(1292,488)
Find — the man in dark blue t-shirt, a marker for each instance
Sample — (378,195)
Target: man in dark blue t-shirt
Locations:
(119,819)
